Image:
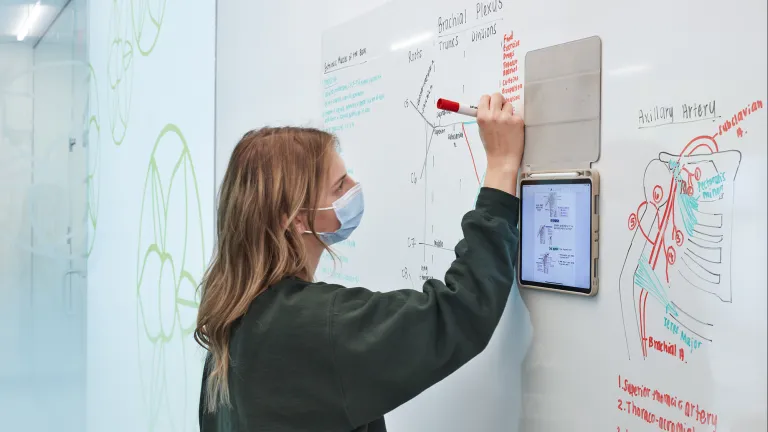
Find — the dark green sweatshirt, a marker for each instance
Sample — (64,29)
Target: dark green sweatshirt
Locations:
(324,358)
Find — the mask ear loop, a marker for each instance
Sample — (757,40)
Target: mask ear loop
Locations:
(328,248)
(318,209)
(351,193)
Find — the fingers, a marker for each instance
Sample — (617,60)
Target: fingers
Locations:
(497,100)
(484,104)
(508,108)
(490,106)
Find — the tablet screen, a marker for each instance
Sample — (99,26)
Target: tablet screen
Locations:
(555,248)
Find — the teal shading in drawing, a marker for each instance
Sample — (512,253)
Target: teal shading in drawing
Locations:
(688,208)
(480,186)
(647,279)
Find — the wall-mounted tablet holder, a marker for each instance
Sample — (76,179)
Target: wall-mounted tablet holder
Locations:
(563,118)
(562,105)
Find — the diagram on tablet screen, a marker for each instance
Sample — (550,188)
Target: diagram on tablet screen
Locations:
(548,202)
(544,263)
(544,234)
(555,249)
(680,254)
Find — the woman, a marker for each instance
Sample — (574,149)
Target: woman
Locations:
(290,354)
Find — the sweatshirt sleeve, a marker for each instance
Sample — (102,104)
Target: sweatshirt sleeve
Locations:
(389,347)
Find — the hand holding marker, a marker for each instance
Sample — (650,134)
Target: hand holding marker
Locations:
(503,143)
(449,105)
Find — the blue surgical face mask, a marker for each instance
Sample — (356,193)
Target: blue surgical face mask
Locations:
(349,211)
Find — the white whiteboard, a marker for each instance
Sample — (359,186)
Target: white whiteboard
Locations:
(683,115)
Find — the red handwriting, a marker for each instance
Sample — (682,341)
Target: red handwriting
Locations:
(681,183)
(510,84)
(665,347)
(666,223)
(737,118)
(694,414)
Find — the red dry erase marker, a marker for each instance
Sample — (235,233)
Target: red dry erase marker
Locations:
(449,105)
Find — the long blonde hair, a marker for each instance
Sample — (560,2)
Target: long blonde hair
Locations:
(273,173)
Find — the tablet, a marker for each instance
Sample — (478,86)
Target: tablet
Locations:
(558,230)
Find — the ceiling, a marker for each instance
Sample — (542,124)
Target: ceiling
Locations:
(14,12)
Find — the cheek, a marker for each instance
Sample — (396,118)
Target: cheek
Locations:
(326,221)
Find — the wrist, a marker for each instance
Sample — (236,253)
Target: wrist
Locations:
(504,166)
(502,177)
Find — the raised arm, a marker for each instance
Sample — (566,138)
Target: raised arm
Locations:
(389,347)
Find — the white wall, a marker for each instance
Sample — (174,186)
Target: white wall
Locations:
(270,51)
(151,161)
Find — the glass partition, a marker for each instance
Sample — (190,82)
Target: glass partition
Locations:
(44,227)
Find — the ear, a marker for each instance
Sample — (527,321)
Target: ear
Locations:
(300,222)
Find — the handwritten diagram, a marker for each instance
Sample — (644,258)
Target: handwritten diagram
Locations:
(134,28)
(170,262)
(448,174)
(147,21)
(92,133)
(681,246)
(394,92)
(119,71)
